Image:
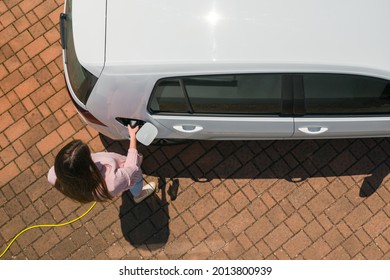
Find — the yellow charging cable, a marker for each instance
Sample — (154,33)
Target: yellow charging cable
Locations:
(48,225)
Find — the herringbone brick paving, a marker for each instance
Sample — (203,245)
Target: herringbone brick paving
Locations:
(217,200)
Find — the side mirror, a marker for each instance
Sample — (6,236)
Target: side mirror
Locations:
(146,134)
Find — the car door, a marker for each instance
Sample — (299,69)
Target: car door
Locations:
(242,106)
(341,106)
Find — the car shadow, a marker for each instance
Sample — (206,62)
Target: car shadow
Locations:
(366,161)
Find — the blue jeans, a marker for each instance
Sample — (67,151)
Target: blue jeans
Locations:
(137,188)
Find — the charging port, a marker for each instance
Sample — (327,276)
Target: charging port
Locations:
(132,122)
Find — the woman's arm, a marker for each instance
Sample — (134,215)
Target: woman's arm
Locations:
(133,139)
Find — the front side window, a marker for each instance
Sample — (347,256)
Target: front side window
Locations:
(219,94)
(345,94)
(81,80)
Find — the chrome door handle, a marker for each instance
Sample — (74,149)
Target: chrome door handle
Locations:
(313,130)
(188,128)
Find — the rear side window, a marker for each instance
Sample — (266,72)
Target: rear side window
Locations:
(219,94)
(345,94)
(81,80)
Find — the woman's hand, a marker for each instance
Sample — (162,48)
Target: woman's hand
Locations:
(133,139)
(132,131)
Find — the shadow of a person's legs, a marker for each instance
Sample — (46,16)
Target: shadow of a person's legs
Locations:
(146,223)
(372,182)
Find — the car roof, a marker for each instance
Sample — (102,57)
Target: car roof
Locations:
(349,36)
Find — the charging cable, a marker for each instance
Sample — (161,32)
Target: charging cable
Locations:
(48,225)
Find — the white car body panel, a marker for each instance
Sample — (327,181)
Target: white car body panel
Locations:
(146,40)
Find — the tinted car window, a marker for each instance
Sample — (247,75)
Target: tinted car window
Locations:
(81,80)
(345,94)
(220,94)
(168,97)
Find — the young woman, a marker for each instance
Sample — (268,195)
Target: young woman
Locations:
(87,177)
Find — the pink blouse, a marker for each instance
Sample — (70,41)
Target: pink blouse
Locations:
(120,172)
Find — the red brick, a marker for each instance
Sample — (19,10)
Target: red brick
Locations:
(22,181)
(203,207)
(352,245)
(4,104)
(36,46)
(297,244)
(7,18)
(7,35)
(17,111)
(196,235)
(3,141)
(372,252)
(48,23)
(20,41)
(39,168)
(358,216)
(27,69)
(46,242)
(27,6)
(233,249)
(295,222)
(12,63)
(52,35)
(38,63)
(58,100)
(45,8)
(51,53)
(377,224)
(17,129)
(320,202)
(49,143)
(317,251)
(3,7)
(37,189)
(11,81)
(39,96)
(222,214)
(339,210)
(14,226)
(178,248)
(278,236)
(27,103)
(34,117)
(49,124)
(239,201)
(215,242)
(338,254)
(240,222)
(7,173)
(24,161)
(301,195)
(12,97)
(17,11)
(22,24)
(3,71)
(177,226)
(314,230)
(32,136)
(43,75)
(200,252)
(276,215)
(32,17)
(37,30)
(8,154)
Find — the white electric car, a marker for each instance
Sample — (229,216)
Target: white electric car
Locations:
(229,69)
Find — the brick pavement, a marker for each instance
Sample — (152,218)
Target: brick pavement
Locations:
(217,200)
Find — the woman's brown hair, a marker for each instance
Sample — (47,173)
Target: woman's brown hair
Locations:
(77,175)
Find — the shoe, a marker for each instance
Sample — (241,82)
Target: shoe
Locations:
(148,190)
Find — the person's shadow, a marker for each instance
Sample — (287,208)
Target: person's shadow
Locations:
(146,223)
